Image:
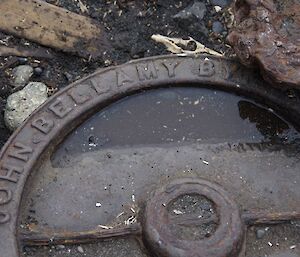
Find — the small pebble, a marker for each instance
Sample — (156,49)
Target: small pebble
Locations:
(80,249)
(217,8)
(221,3)
(47,74)
(217,27)
(260,233)
(197,9)
(38,71)
(60,247)
(68,76)
(22,60)
(21,75)
(21,104)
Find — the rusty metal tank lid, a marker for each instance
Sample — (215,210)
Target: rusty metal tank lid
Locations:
(166,156)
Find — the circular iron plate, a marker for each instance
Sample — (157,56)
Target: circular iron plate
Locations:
(225,241)
(27,149)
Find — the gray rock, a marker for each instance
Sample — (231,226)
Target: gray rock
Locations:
(217,27)
(184,15)
(221,3)
(22,103)
(80,249)
(191,18)
(260,233)
(68,76)
(38,71)
(22,60)
(21,75)
(47,74)
(197,9)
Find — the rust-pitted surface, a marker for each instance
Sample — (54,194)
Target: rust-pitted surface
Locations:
(160,220)
(234,186)
(268,32)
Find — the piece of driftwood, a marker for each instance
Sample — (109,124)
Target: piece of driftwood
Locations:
(52,26)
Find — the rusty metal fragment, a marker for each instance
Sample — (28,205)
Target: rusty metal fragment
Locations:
(268,33)
(52,26)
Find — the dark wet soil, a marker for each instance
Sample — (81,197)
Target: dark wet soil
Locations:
(129,25)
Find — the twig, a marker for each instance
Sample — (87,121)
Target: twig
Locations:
(38,238)
(262,218)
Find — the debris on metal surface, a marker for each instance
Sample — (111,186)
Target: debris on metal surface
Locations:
(52,26)
(268,33)
(36,238)
(184,46)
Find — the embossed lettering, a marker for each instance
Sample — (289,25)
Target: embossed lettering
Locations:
(207,68)
(10,173)
(21,152)
(7,196)
(43,125)
(122,78)
(98,87)
(59,108)
(36,139)
(171,66)
(79,94)
(4,217)
(146,71)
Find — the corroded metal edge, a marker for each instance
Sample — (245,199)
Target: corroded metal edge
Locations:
(226,241)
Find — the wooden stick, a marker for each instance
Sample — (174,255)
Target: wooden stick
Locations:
(262,218)
(38,238)
(52,26)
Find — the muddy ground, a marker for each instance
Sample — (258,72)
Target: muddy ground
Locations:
(129,25)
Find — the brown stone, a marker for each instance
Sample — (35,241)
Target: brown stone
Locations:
(268,33)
